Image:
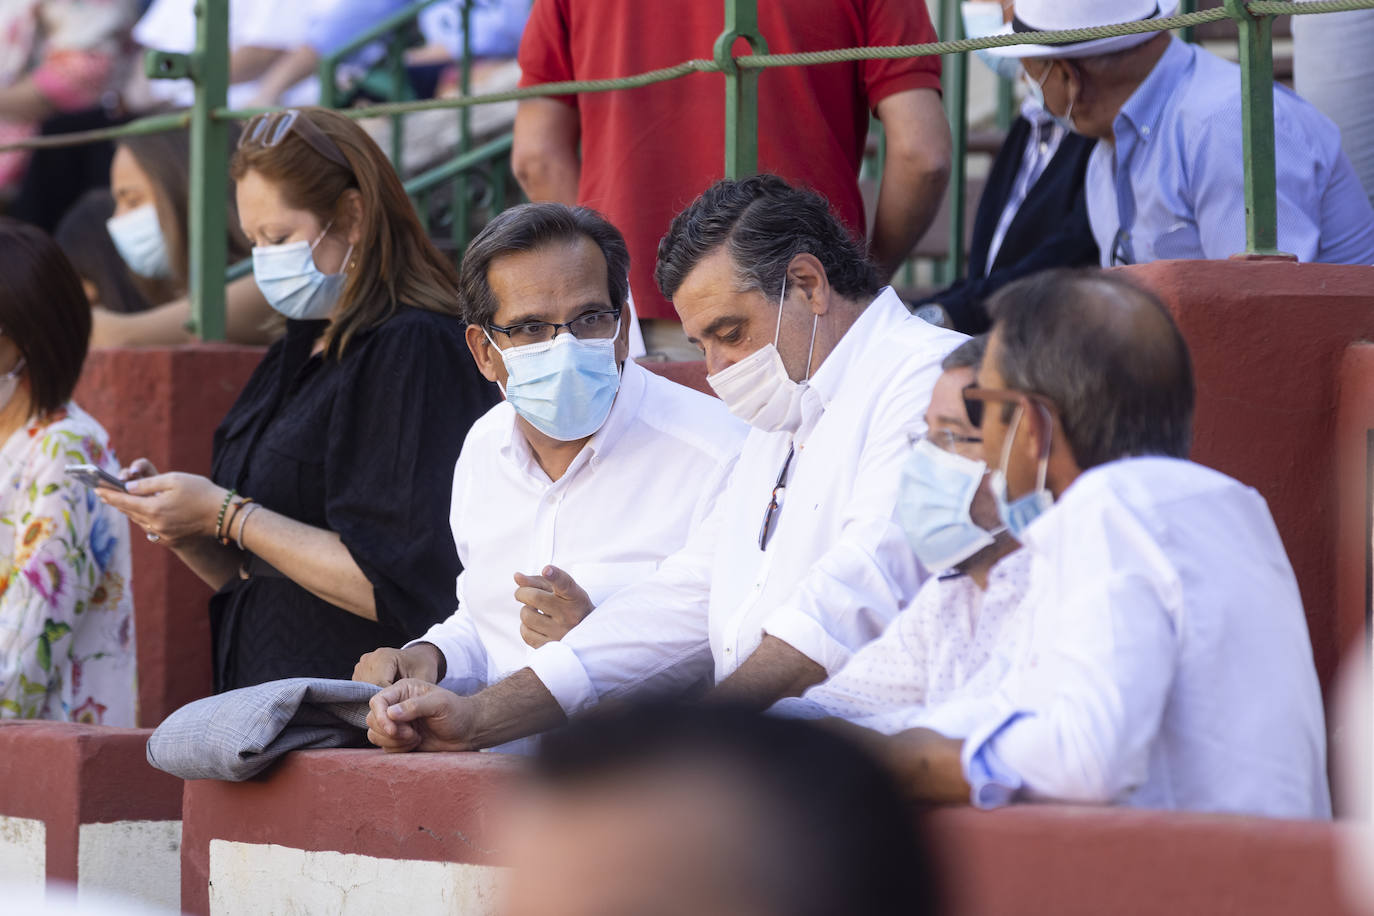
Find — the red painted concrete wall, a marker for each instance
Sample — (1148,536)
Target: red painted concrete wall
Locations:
(430,807)
(1354,423)
(68,775)
(1029,860)
(1267,341)
(164,404)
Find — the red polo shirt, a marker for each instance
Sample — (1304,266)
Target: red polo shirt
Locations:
(648,152)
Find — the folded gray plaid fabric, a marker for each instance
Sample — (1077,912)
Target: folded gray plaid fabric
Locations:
(237,734)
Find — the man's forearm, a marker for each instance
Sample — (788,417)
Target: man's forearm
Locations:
(908,199)
(515,708)
(927,764)
(774,671)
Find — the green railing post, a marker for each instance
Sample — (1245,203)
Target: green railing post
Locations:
(741,88)
(461,197)
(956,105)
(209,169)
(1185,7)
(1257,128)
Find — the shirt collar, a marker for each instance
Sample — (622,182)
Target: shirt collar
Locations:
(885,311)
(1144,109)
(516,448)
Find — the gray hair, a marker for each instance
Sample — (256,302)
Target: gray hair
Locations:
(968,355)
(764,223)
(526,228)
(1106,353)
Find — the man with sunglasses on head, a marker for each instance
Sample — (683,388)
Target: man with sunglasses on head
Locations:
(585,478)
(953,638)
(1168,664)
(803,561)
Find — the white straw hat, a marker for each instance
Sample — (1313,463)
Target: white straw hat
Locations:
(1058,15)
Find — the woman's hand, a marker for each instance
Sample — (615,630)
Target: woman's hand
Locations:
(141,468)
(175,507)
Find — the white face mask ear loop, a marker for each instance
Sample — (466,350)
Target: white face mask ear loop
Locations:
(777,330)
(1043,473)
(500,353)
(811,350)
(1010,439)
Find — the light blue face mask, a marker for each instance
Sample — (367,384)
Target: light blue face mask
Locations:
(292,284)
(934,503)
(1036,90)
(137,236)
(980,21)
(1018,514)
(563,387)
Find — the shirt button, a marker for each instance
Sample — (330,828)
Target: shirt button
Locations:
(729,651)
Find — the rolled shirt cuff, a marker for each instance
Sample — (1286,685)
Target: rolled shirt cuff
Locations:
(798,708)
(992,783)
(808,637)
(558,667)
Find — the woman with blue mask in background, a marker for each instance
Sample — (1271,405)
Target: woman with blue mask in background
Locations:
(150,183)
(324,525)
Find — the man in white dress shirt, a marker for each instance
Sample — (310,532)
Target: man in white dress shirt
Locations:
(802,561)
(1168,664)
(585,477)
(952,639)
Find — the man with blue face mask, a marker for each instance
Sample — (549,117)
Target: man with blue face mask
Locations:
(1168,663)
(588,474)
(803,561)
(952,640)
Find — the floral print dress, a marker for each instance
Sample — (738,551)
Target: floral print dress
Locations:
(66,604)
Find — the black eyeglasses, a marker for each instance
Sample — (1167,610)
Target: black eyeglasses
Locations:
(269,130)
(592,326)
(775,501)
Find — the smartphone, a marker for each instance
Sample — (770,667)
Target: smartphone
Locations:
(93,476)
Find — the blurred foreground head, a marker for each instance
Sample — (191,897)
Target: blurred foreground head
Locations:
(666,810)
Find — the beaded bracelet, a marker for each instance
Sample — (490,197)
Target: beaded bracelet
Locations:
(228,527)
(247,513)
(224,506)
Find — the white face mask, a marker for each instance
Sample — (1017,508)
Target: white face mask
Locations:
(292,283)
(758,390)
(9,383)
(137,236)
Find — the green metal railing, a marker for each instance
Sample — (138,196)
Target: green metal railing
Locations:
(207,66)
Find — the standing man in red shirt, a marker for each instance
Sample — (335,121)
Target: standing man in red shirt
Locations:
(647,153)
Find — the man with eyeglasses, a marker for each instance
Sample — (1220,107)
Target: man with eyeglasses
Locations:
(1168,664)
(803,560)
(1166,178)
(585,478)
(953,638)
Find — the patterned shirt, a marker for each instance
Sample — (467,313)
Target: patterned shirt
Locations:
(953,641)
(72,49)
(66,600)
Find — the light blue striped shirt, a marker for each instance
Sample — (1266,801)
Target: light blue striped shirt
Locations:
(1172,186)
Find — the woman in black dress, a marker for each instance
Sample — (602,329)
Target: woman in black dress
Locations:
(324,523)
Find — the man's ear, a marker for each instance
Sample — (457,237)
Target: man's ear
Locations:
(483,353)
(806,275)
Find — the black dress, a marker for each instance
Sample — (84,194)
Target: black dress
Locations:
(365,447)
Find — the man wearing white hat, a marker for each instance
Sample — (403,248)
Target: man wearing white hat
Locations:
(1166,181)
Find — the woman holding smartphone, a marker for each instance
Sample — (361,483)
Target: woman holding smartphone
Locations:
(66,602)
(324,523)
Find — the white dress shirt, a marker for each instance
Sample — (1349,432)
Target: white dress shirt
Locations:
(627,501)
(1168,664)
(953,640)
(837,567)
